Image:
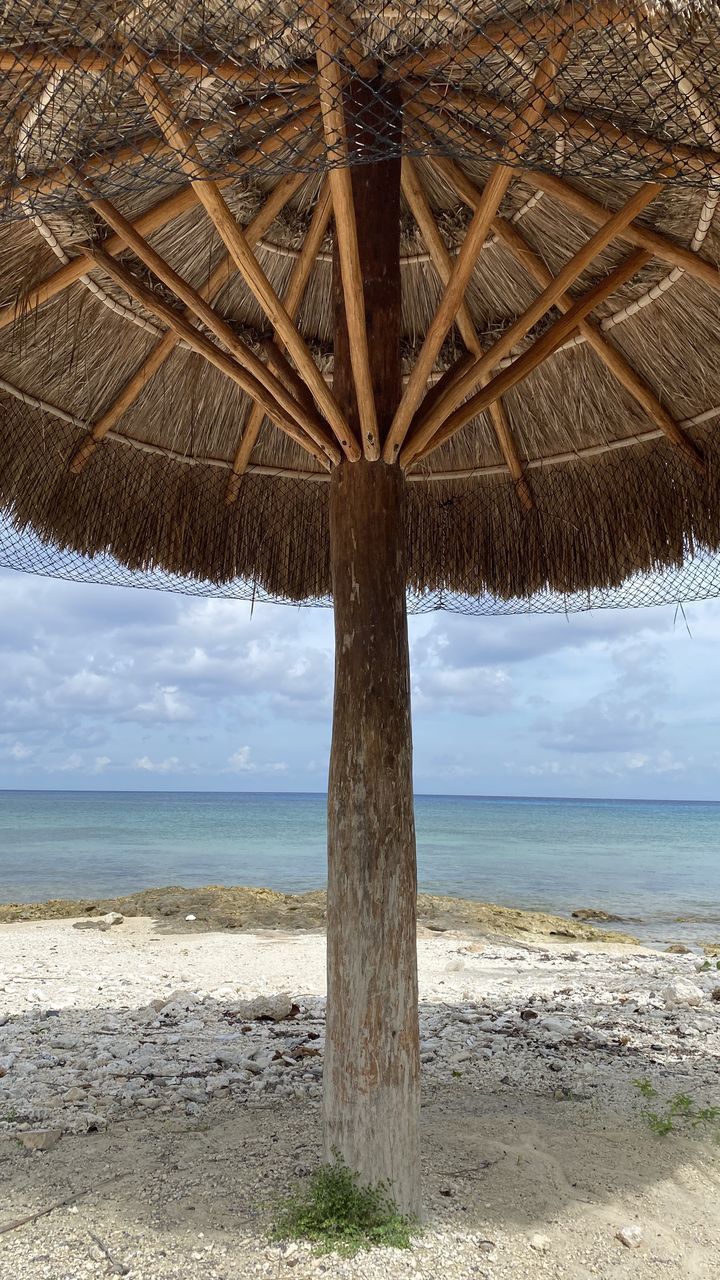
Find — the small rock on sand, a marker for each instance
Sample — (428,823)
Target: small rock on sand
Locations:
(589,913)
(630,1235)
(100,923)
(40,1139)
(682,994)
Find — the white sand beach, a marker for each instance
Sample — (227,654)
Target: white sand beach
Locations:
(176,1115)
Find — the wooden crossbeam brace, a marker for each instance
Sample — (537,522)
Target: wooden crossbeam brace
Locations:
(674,255)
(293,297)
(270,111)
(509,36)
(465,384)
(164,348)
(540,350)
(330,82)
(612,358)
(247,359)
(211,352)
(673,159)
(157,216)
(202,66)
(421,211)
(229,230)
(498,183)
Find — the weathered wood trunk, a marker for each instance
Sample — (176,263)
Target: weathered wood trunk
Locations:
(372,1068)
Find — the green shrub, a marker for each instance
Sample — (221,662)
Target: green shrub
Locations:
(677,1112)
(336,1213)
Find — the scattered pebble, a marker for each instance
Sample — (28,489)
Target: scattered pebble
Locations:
(40,1139)
(630,1235)
(682,994)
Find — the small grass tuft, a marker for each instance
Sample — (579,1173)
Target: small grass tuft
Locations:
(679,1112)
(337,1214)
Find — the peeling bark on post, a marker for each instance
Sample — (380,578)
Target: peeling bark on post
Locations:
(372,1066)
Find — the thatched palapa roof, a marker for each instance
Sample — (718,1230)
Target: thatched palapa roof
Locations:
(137,358)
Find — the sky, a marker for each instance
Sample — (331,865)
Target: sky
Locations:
(113,688)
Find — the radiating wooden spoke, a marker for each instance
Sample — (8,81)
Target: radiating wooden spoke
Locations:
(665,250)
(268,111)
(34,58)
(454,113)
(543,347)
(157,216)
(466,383)
(331,79)
(510,36)
(613,359)
(293,297)
(164,348)
(212,353)
(202,309)
(520,136)
(232,235)
(439,253)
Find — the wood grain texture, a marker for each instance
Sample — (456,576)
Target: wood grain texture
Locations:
(372,1064)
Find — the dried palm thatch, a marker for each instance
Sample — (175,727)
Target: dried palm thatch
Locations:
(118,434)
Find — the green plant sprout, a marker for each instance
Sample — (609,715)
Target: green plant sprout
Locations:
(338,1214)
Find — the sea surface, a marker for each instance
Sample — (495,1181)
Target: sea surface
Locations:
(648,862)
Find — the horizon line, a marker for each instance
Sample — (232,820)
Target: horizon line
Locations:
(425,795)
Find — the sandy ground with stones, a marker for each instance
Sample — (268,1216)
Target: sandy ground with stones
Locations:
(174,1082)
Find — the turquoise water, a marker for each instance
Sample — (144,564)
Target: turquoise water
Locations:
(655,861)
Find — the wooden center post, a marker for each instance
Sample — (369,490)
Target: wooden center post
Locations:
(372,1065)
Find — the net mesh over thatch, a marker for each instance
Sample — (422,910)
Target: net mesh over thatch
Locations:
(127,443)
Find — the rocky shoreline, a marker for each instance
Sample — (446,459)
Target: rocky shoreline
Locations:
(178,909)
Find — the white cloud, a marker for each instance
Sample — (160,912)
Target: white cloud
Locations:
(69,764)
(241,762)
(19,751)
(165,704)
(171,765)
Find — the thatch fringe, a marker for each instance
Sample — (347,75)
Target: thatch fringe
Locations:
(593,524)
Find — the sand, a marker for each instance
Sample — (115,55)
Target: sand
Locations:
(179,1118)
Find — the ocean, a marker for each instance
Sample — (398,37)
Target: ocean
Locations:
(649,862)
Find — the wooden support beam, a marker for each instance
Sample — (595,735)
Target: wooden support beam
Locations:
(613,359)
(232,235)
(157,216)
(215,355)
(309,421)
(164,348)
(294,293)
(203,66)
(439,253)
(272,111)
(372,1070)
(675,255)
(543,347)
(520,136)
(510,36)
(431,422)
(454,114)
(330,81)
